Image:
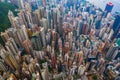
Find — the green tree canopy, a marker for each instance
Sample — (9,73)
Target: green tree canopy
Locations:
(4,21)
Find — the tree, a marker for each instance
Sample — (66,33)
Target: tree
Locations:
(4,21)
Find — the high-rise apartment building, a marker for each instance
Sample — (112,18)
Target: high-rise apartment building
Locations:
(28,17)
(44,23)
(85,28)
(49,37)
(8,58)
(25,17)
(37,17)
(21,16)
(37,41)
(98,22)
(60,25)
(11,18)
(12,76)
(116,25)
(28,46)
(27,7)
(21,4)
(15,35)
(45,73)
(5,36)
(54,18)
(42,33)
(112,52)
(19,34)
(12,62)
(25,32)
(11,46)
(3,66)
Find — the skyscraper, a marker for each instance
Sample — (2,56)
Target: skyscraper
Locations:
(3,52)
(37,41)
(110,34)
(24,31)
(44,23)
(44,2)
(112,51)
(12,61)
(116,25)
(14,33)
(5,36)
(39,14)
(109,7)
(25,17)
(21,16)
(42,33)
(8,58)
(2,66)
(12,19)
(2,55)
(11,46)
(27,7)
(39,3)
(28,17)
(60,25)
(45,73)
(54,18)
(86,29)
(28,46)
(21,4)
(49,37)
(98,22)
(37,17)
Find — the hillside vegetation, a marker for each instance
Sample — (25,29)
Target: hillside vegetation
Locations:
(4,21)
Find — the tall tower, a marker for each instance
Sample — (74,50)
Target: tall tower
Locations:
(21,16)
(39,3)
(116,25)
(11,46)
(24,32)
(2,66)
(8,58)
(12,19)
(28,47)
(11,61)
(37,17)
(98,22)
(28,17)
(44,23)
(109,7)
(36,41)
(15,35)
(21,4)
(5,36)
(27,7)
(2,55)
(59,26)
(42,33)
(112,52)
(45,73)
(54,18)
(44,2)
